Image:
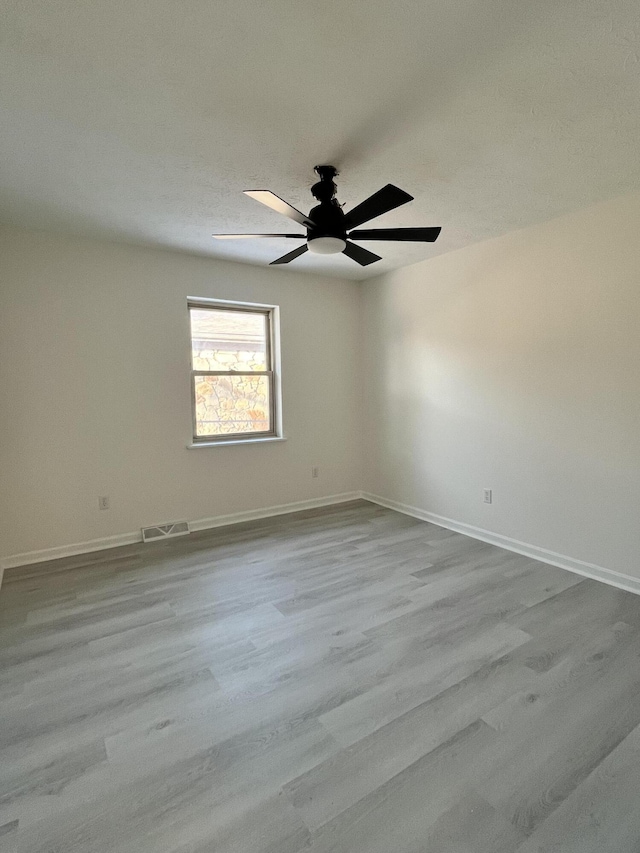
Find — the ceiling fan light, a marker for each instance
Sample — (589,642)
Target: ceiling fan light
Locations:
(326,245)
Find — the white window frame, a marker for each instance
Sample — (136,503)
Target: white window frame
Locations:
(272,315)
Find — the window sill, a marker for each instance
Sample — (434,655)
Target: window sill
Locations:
(268,440)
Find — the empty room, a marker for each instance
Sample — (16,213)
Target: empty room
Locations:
(319,427)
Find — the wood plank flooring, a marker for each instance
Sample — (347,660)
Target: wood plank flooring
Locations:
(345,679)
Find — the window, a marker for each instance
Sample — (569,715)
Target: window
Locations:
(234,380)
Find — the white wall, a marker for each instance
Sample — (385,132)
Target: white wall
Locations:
(95,395)
(514,365)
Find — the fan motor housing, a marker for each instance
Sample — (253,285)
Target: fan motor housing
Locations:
(328,236)
(328,220)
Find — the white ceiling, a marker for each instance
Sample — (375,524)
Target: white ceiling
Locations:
(143,120)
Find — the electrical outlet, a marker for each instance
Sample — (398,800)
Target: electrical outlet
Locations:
(488,496)
(103,502)
(315,472)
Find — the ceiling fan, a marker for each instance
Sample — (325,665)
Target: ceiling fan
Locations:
(329,229)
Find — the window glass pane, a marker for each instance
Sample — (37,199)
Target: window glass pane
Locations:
(228,340)
(231,404)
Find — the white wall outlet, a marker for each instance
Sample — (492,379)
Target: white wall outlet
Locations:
(103,502)
(315,472)
(488,496)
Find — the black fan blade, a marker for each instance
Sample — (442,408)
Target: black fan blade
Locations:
(361,256)
(252,236)
(285,259)
(419,235)
(280,205)
(385,199)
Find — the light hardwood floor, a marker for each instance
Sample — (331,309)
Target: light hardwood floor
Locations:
(346,679)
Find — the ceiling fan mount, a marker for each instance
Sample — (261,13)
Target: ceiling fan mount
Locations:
(329,229)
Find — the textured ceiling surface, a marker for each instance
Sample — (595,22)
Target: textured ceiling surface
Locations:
(144,121)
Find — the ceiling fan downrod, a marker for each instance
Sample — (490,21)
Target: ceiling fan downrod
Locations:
(325,190)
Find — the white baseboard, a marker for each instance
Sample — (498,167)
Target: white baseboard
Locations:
(59,551)
(268,512)
(30,557)
(588,570)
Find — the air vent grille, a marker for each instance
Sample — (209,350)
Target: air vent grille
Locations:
(165,531)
